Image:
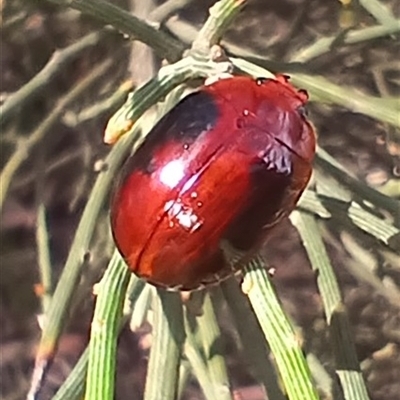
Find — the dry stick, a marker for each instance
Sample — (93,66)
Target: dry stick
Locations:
(25,146)
(162,43)
(47,74)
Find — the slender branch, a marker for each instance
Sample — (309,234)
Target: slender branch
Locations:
(324,45)
(209,334)
(325,91)
(347,366)
(320,88)
(279,332)
(193,352)
(379,11)
(108,105)
(222,14)
(100,381)
(343,210)
(187,33)
(25,146)
(74,386)
(47,74)
(166,349)
(255,347)
(326,162)
(162,43)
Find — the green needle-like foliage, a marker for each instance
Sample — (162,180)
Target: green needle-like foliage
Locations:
(168,337)
(279,333)
(185,343)
(347,366)
(111,290)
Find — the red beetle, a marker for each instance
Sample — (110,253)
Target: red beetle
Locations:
(211,179)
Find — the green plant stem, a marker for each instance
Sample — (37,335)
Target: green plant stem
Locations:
(330,166)
(62,296)
(167,79)
(222,14)
(342,210)
(162,43)
(141,99)
(323,90)
(184,376)
(379,11)
(255,348)
(279,333)
(139,314)
(193,352)
(55,65)
(210,336)
(25,146)
(100,380)
(347,365)
(103,107)
(165,353)
(74,386)
(43,251)
(324,45)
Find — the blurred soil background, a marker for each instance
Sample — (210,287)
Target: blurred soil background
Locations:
(60,170)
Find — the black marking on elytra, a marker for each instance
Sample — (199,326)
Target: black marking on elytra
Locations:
(260,80)
(267,183)
(196,113)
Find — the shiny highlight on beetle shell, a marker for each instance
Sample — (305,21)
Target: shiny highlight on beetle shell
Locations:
(211,180)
